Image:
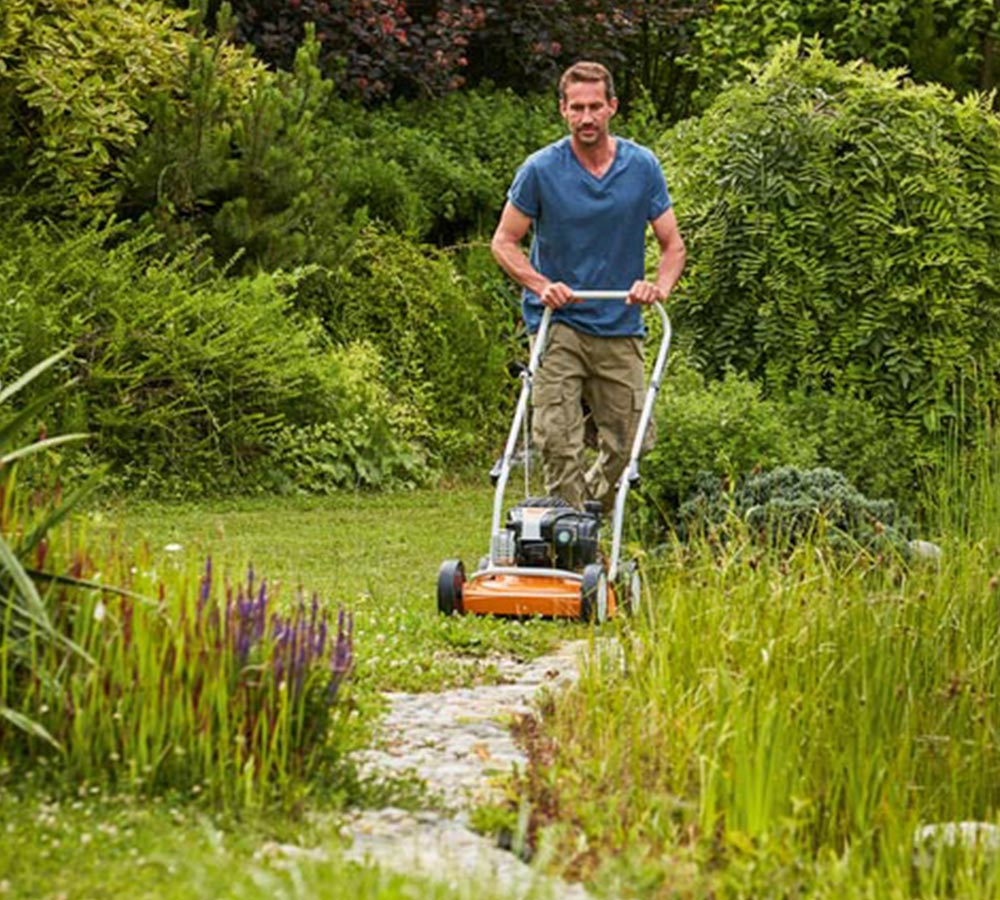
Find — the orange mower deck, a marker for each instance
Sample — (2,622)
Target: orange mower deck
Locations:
(527,594)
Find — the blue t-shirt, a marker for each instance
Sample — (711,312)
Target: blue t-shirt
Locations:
(590,232)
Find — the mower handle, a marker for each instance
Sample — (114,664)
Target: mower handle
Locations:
(601,295)
(630,475)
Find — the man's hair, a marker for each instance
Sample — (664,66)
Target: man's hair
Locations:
(586,72)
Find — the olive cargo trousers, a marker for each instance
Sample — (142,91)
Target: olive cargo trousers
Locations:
(607,373)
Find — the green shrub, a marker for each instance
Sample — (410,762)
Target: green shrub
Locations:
(437,172)
(844,236)
(951,42)
(240,155)
(787,505)
(484,134)
(186,378)
(445,350)
(74,77)
(723,429)
(883,458)
(362,448)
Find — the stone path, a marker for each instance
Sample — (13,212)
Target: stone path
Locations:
(458,742)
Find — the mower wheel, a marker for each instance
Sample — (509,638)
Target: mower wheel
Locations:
(630,587)
(451,579)
(594,594)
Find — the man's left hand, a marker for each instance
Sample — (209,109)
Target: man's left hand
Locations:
(645,292)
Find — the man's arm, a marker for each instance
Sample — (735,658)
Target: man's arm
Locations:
(506,247)
(672,257)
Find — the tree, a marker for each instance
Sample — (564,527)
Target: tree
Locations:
(376,48)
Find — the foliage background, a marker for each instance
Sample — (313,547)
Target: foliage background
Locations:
(268,247)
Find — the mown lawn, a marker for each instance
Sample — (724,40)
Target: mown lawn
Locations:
(377,554)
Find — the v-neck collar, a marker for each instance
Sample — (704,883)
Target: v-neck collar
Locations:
(611,164)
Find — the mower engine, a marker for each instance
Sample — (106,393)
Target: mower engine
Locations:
(546,532)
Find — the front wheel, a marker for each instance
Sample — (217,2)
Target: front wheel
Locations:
(451,580)
(594,594)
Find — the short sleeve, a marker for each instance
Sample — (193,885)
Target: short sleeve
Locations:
(524,192)
(659,196)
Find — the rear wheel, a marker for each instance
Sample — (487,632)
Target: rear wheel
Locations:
(451,580)
(630,587)
(594,594)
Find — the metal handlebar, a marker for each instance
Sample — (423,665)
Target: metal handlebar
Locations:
(601,295)
(631,472)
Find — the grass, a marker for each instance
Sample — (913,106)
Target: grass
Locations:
(378,554)
(97,846)
(781,724)
(775,724)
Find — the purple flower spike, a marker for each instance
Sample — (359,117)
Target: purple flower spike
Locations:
(243,647)
(342,654)
(205,589)
(301,663)
(321,637)
(293,634)
(206,580)
(343,651)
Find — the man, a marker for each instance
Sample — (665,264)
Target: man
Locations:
(588,198)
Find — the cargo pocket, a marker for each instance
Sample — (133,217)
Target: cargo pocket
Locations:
(549,421)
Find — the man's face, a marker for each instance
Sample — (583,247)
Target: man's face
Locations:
(587,111)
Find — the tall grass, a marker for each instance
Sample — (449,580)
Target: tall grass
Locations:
(783,722)
(187,682)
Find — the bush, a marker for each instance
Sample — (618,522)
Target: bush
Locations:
(723,430)
(278,173)
(445,350)
(378,48)
(952,42)
(882,458)
(788,505)
(74,77)
(185,377)
(360,449)
(239,154)
(844,232)
(436,172)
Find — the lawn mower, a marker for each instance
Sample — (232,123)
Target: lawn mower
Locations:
(544,558)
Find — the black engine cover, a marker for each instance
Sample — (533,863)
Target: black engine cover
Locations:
(549,533)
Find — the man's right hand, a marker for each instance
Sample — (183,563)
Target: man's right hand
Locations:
(556,294)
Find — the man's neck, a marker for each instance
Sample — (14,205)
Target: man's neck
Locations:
(595,158)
